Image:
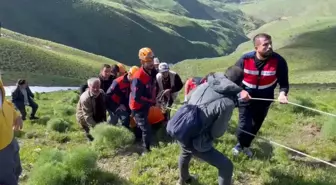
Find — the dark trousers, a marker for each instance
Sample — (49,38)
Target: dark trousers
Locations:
(251,118)
(154,129)
(22,108)
(10,164)
(213,157)
(124,117)
(141,120)
(113,117)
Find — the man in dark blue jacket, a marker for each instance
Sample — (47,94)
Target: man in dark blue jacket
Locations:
(263,70)
(22,97)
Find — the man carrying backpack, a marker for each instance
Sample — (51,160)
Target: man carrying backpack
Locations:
(204,118)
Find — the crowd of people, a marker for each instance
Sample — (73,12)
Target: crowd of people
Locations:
(209,108)
(140,99)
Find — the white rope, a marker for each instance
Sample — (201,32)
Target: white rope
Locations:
(291,149)
(283,146)
(312,109)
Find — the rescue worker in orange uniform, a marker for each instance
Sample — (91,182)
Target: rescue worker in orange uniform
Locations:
(143,95)
(117,96)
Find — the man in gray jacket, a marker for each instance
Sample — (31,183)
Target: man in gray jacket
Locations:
(216,100)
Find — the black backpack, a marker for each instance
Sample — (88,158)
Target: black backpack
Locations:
(186,124)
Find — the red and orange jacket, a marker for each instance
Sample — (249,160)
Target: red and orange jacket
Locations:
(143,91)
(118,93)
(191,84)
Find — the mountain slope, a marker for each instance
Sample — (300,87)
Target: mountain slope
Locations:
(45,63)
(307,43)
(118,28)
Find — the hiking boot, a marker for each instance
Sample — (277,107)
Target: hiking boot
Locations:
(191,179)
(248,152)
(33,118)
(237,149)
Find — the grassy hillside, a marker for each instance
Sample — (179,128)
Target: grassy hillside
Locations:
(45,63)
(306,42)
(43,144)
(176,30)
(271,10)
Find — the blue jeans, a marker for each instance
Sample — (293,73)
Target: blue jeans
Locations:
(141,120)
(124,117)
(113,118)
(213,157)
(10,164)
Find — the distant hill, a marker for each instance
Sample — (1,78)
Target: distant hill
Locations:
(303,33)
(42,62)
(176,30)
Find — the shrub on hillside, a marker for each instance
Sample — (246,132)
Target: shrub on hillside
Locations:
(58,125)
(48,174)
(111,137)
(43,120)
(329,129)
(80,163)
(55,167)
(69,98)
(52,156)
(37,96)
(33,134)
(59,137)
(74,98)
(64,110)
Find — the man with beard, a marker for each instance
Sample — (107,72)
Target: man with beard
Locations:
(91,108)
(106,76)
(263,70)
(143,95)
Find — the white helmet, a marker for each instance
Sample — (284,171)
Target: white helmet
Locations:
(156,60)
(163,67)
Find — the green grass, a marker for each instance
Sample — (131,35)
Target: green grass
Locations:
(306,43)
(270,10)
(43,62)
(303,130)
(118,29)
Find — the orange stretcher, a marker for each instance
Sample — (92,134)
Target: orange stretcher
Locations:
(155,116)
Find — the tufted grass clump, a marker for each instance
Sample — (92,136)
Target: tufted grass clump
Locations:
(329,129)
(55,167)
(111,137)
(58,125)
(43,120)
(64,110)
